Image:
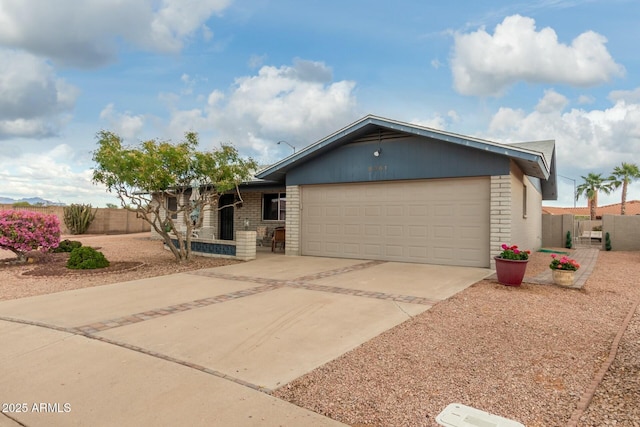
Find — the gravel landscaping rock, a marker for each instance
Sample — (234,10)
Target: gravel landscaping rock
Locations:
(528,353)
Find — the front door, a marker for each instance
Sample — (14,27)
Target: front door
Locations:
(226,217)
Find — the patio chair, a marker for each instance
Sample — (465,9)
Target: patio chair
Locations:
(278,238)
(261,233)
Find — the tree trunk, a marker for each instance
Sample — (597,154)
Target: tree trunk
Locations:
(623,205)
(593,204)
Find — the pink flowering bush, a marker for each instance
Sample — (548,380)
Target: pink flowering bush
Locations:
(24,231)
(513,253)
(563,263)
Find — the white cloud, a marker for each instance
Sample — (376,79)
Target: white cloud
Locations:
(487,64)
(50,175)
(86,33)
(256,61)
(586,99)
(552,101)
(625,95)
(34,102)
(437,121)
(124,124)
(585,139)
(298,103)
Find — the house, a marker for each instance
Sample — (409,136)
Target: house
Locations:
(383,189)
(632,208)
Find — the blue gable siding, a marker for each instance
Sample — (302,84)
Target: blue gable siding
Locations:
(408,157)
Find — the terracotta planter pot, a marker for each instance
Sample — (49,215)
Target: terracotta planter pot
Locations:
(563,277)
(510,272)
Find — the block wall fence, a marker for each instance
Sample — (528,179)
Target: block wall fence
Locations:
(107,221)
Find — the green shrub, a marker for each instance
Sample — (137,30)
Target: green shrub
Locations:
(67,246)
(78,218)
(568,243)
(607,241)
(85,258)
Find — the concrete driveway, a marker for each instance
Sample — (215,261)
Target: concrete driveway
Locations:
(204,347)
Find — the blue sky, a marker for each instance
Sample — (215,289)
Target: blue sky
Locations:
(256,72)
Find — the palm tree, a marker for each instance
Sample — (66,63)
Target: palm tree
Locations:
(622,176)
(593,183)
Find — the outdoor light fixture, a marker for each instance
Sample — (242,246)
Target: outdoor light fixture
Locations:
(294,148)
(246,224)
(379,150)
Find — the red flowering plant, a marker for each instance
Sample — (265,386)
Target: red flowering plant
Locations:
(24,231)
(513,253)
(563,263)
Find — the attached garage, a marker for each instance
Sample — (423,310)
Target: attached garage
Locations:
(424,221)
(382,189)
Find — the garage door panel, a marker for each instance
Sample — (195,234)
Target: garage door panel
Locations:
(394,251)
(443,210)
(429,221)
(352,211)
(418,210)
(443,254)
(351,248)
(372,230)
(394,231)
(470,233)
(372,250)
(332,230)
(443,232)
(395,211)
(417,252)
(418,231)
(352,230)
(314,246)
(332,248)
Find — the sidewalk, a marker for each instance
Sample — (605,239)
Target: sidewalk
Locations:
(586,257)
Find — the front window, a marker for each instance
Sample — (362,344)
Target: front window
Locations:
(172,207)
(274,206)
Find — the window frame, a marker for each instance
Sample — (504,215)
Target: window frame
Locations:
(280,196)
(174,214)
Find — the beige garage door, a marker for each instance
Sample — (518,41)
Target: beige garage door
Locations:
(426,221)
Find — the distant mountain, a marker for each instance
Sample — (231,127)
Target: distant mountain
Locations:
(30,200)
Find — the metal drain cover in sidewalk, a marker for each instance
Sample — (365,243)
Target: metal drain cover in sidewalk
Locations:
(459,415)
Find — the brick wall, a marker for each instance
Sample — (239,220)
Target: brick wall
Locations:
(500,214)
(252,210)
(293,220)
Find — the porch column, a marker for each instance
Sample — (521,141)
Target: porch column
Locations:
(209,221)
(180,222)
(500,215)
(292,237)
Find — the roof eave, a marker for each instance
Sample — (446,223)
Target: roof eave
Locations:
(533,162)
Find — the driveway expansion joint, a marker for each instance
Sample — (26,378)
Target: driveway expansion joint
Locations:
(78,332)
(90,330)
(267,285)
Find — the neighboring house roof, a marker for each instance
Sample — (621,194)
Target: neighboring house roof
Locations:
(535,159)
(633,208)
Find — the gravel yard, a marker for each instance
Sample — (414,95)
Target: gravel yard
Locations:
(528,353)
(125,252)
